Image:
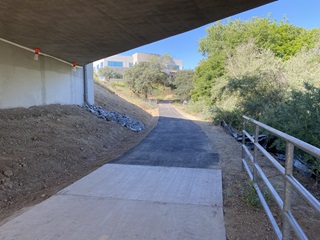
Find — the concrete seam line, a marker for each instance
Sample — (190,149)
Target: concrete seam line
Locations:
(84,196)
(32,50)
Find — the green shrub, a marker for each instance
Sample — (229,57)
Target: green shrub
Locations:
(200,108)
(250,195)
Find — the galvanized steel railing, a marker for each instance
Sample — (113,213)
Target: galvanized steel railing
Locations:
(288,220)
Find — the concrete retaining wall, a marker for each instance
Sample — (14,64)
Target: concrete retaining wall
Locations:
(25,82)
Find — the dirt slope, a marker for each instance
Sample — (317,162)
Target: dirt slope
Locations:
(43,149)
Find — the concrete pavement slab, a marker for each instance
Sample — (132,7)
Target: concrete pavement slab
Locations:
(162,184)
(125,202)
(90,218)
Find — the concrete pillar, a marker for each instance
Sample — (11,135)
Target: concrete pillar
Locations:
(88,84)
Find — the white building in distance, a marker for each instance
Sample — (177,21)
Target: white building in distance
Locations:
(122,63)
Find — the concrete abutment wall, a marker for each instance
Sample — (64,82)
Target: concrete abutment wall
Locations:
(25,82)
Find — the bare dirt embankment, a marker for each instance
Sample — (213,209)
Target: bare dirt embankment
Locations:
(43,149)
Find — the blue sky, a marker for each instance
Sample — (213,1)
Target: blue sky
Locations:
(302,13)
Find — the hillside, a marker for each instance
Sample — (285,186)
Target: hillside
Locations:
(46,148)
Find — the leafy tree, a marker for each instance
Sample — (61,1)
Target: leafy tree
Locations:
(299,116)
(265,69)
(223,38)
(206,75)
(145,76)
(165,64)
(107,73)
(254,82)
(142,77)
(282,38)
(161,61)
(183,84)
(304,67)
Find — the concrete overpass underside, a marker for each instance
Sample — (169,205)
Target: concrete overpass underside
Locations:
(83,31)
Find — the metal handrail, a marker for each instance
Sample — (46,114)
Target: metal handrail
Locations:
(312,150)
(290,182)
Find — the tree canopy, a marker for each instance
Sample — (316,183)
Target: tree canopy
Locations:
(142,77)
(107,73)
(183,84)
(263,68)
(280,37)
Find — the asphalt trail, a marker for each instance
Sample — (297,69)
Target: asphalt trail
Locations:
(174,142)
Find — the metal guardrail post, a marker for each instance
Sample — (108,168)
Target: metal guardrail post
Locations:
(255,153)
(243,143)
(287,191)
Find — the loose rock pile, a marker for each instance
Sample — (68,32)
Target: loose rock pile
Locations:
(122,120)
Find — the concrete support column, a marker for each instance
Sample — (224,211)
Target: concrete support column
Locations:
(88,84)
